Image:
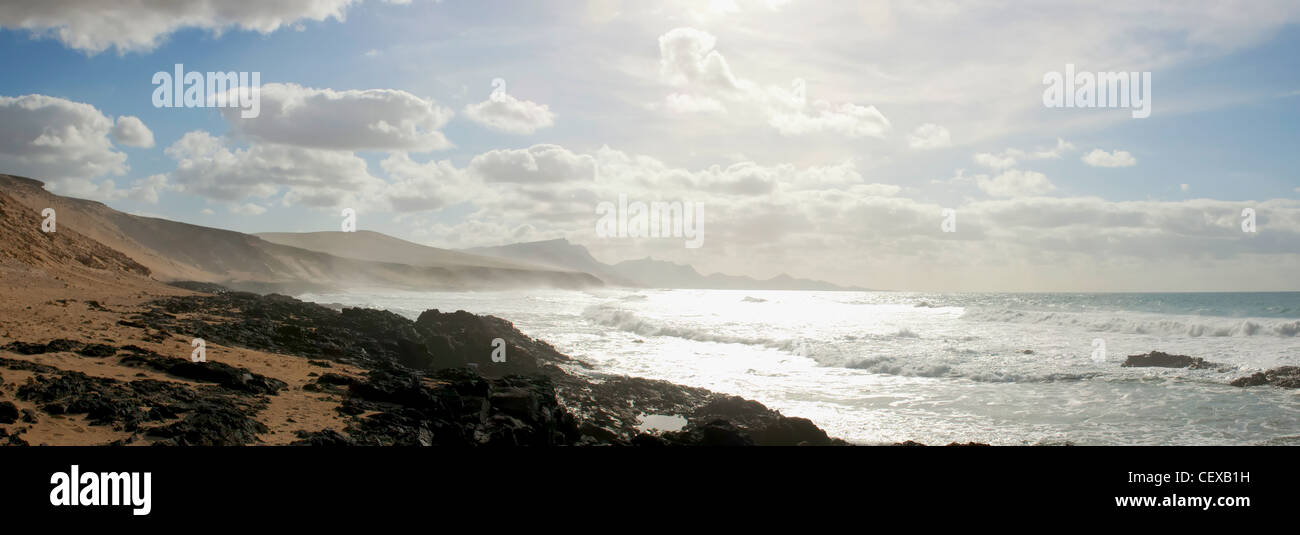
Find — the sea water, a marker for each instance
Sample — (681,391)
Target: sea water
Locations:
(882,367)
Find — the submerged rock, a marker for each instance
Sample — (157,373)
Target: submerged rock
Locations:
(1157,359)
(1285,377)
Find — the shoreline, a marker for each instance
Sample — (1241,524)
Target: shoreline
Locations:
(283,371)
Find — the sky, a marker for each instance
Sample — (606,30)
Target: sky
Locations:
(828,140)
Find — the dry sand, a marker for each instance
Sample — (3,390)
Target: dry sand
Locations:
(38,305)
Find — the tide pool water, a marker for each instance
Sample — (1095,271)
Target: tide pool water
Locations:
(883,367)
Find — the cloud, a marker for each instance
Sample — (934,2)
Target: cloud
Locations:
(846,119)
(1015,183)
(995,161)
(146,190)
(1010,157)
(312,177)
(536,164)
(929,136)
(247,209)
(54,139)
(687,57)
(130,131)
(94,26)
(352,120)
(1101,158)
(416,187)
(505,113)
(684,103)
(688,60)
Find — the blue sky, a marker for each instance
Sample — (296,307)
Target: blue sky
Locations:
(689,101)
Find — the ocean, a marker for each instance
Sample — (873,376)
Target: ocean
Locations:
(884,367)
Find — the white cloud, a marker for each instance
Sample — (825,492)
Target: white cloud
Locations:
(1015,183)
(206,166)
(130,131)
(995,161)
(688,60)
(423,186)
(1010,157)
(536,164)
(371,119)
(54,139)
(687,57)
(684,103)
(929,136)
(247,209)
(1101,158)
(146,190)
(846,119)
(503,112)
(130,25)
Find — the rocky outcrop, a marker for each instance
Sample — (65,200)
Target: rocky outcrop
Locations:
(426,382)
(1285,377)
(220,414)
(1157,359)
(8,413)
(451,407)
(433,381)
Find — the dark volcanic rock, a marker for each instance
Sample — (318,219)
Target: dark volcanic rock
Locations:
(60,346)
(458,407)
(208,415)
(208,372)
(97,350)
(1165,360)
(433,381)
(8,413)
(24,348)
(767,427)
(328,437)
(1285,377)
(211,425)
(713,433)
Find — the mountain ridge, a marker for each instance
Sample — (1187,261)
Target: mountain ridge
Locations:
(645,272)
(174,251)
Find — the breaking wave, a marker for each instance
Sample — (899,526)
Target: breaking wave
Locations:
(1141,324)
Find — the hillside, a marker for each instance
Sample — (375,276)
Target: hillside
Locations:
(646,272)
(26,244)
(558,254)
(378,247)
(181,251)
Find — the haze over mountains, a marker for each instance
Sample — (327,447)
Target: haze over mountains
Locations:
(181,251)
(645,272)
(291,262)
